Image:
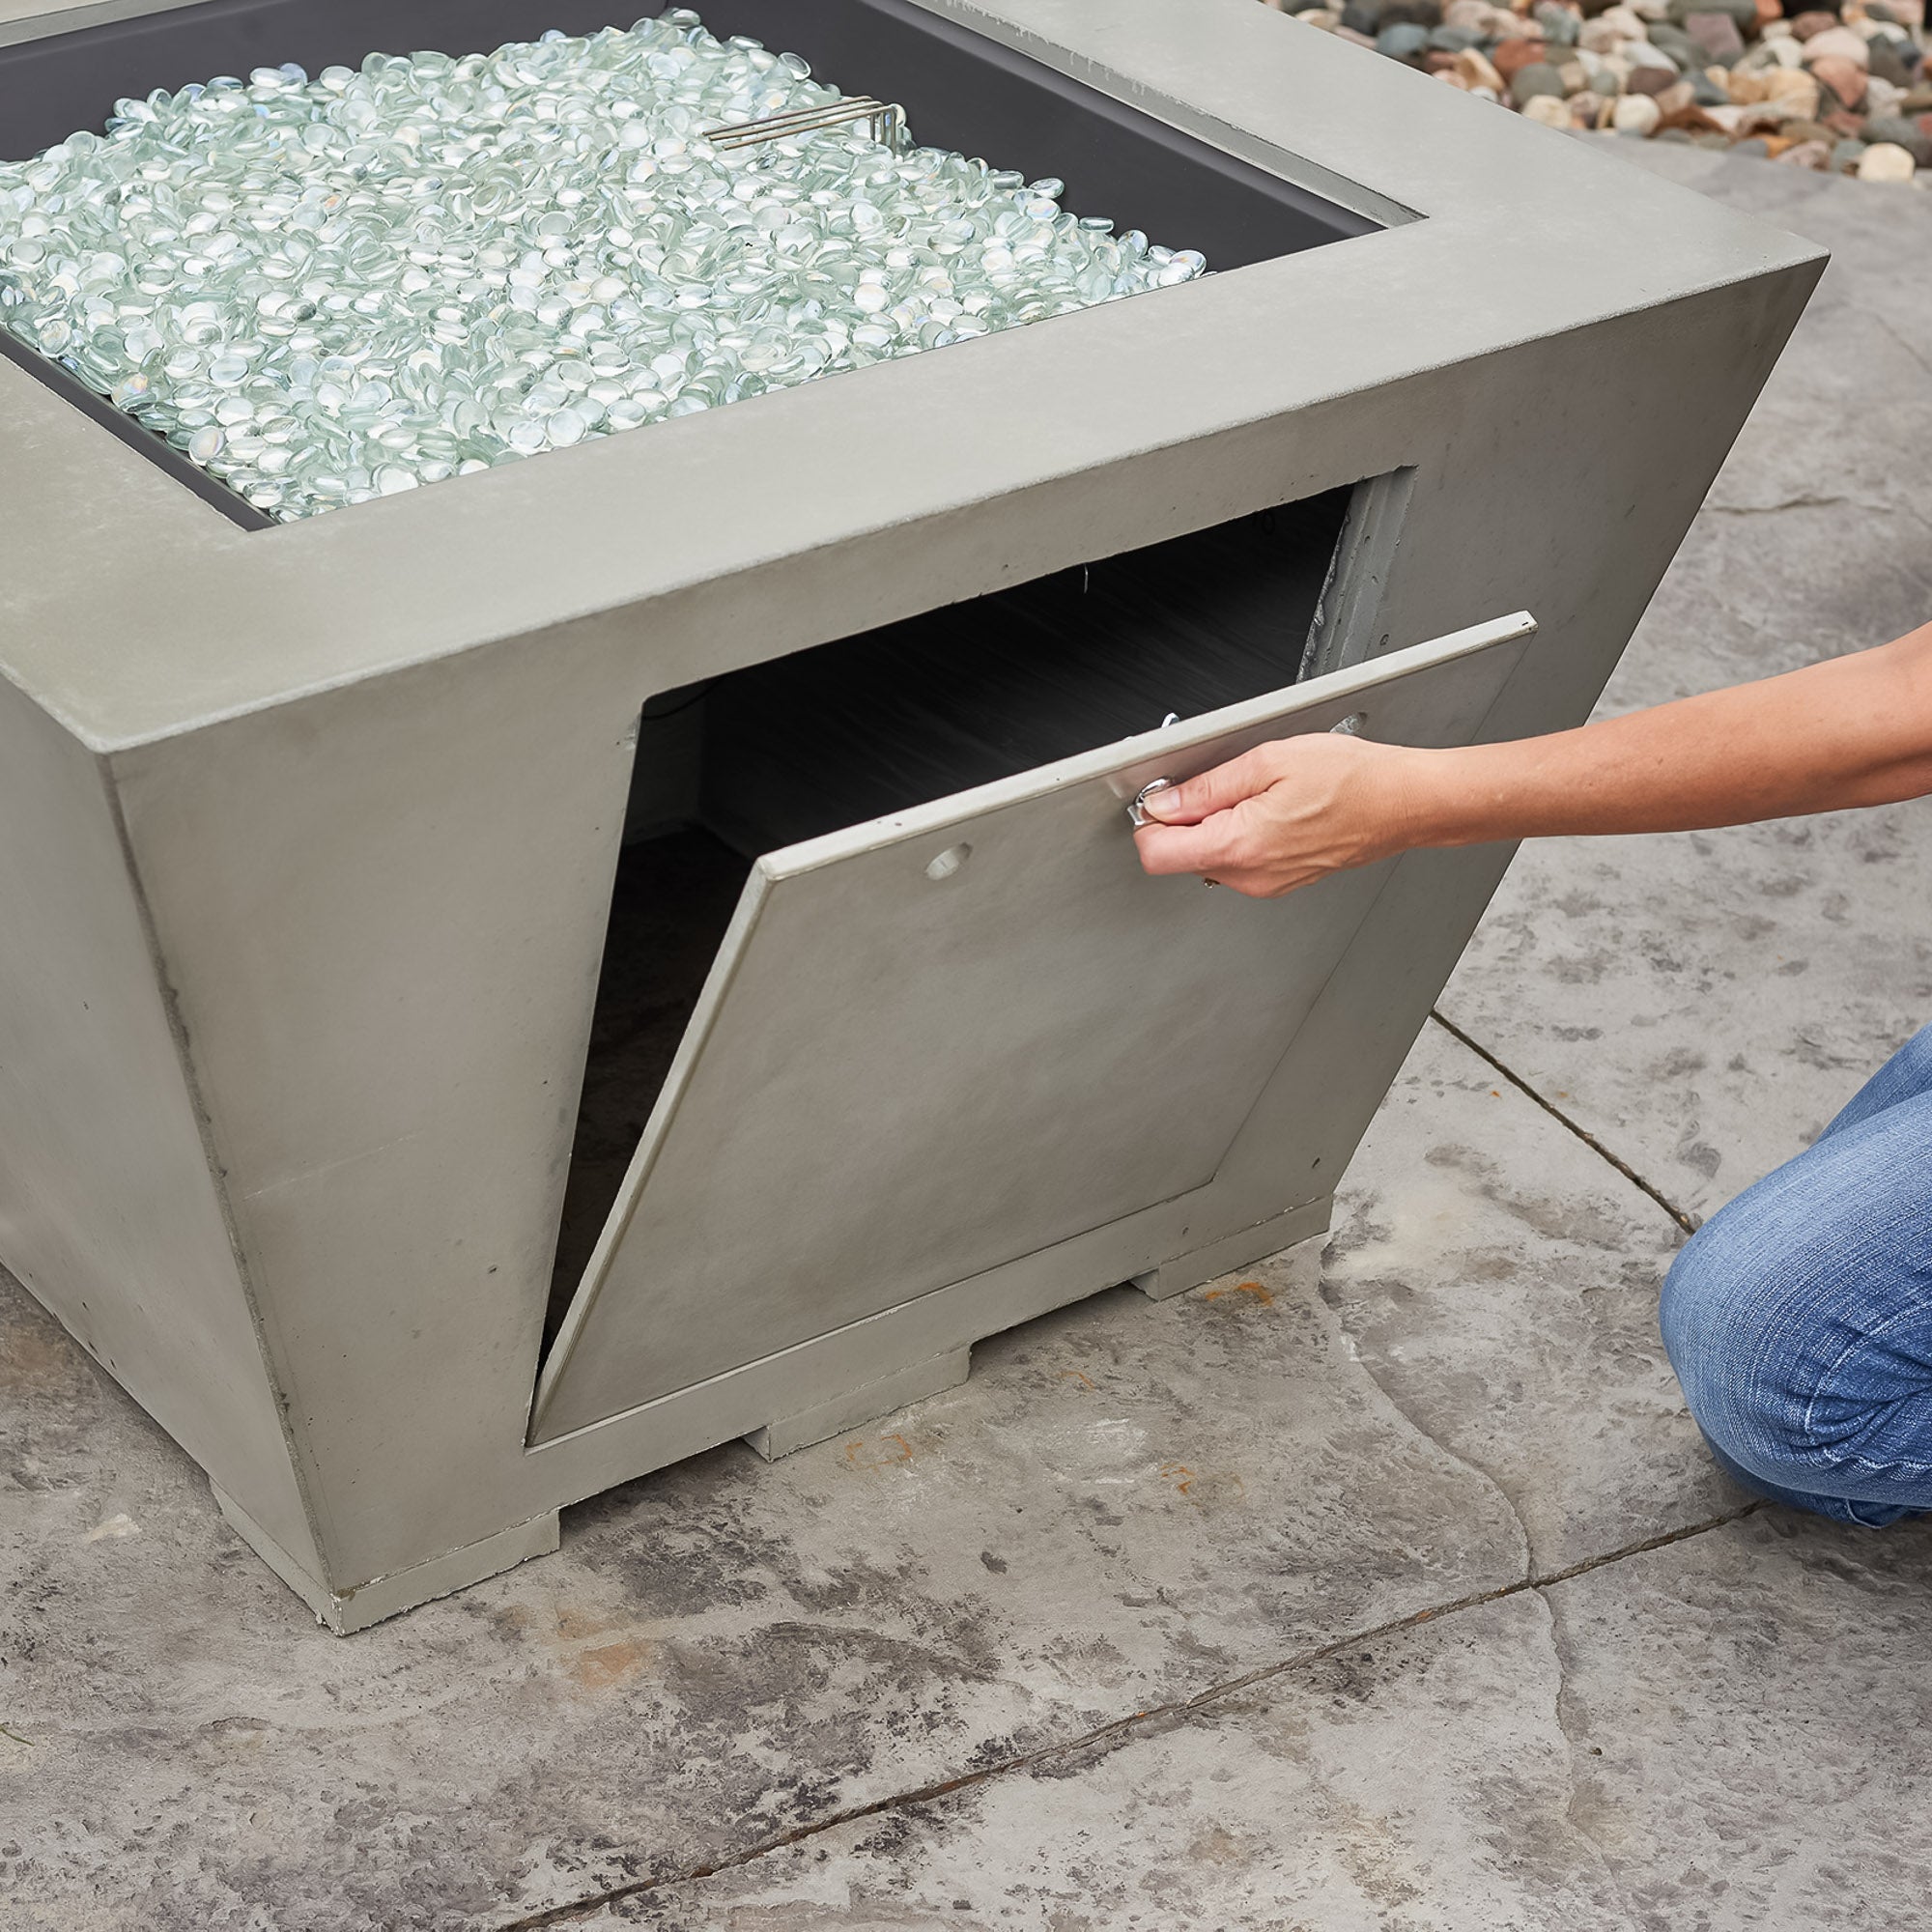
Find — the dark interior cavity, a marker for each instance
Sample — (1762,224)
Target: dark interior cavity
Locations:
(898,716)
(673,897)
(960,90)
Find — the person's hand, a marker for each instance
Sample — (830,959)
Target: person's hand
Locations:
(1285,815)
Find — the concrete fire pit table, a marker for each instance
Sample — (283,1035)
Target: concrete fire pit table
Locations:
(507,985)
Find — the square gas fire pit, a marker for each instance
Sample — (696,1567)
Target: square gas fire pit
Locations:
(638,941)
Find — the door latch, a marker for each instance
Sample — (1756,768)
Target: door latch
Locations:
(1136,815)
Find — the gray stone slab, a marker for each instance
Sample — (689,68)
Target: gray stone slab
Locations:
(1420,1781)
(1748,1713)
(1725,1733)
(1500,1281)
(1704,1004)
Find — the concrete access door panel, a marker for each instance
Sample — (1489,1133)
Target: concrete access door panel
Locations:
(939,1041)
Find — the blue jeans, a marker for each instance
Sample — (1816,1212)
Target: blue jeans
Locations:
(1798,1319)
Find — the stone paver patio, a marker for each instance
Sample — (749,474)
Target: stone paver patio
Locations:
(1383,1586)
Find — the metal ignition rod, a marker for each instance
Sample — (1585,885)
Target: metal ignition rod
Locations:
(886,123)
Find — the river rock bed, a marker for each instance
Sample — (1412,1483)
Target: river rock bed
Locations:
(1841,89)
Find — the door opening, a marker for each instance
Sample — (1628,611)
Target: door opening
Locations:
(894,718)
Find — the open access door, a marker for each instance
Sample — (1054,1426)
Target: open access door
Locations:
(938,1041)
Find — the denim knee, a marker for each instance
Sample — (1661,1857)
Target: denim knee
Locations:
(1749,1331)
(1717,1311)
(1798,1320)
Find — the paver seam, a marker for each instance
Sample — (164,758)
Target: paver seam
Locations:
(1789,503)
(1152,1723)
(1539,1587)
(1911,349)
(1687,1221)
(1487,1477)
(1571,1746)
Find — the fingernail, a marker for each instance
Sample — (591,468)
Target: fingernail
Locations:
(1158,805)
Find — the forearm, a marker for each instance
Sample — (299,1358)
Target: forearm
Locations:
(1856,730)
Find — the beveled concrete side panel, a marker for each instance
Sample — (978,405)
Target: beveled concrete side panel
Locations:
(383,913)
(107,1212)
(1525,503)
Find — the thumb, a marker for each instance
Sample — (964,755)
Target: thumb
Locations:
(1211,791)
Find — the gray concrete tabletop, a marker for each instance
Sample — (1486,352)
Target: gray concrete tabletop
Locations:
(1384,1585)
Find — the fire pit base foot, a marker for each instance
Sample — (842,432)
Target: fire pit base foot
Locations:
(346,1611)
(862,1405)
(1236,1250)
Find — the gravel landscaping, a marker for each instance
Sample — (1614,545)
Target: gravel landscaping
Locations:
(1842,89)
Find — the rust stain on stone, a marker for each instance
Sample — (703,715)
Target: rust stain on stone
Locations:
(1256,1293)
(610,1664)
(32,1359)
(571,1636)
(1204,1489)
(880,1453)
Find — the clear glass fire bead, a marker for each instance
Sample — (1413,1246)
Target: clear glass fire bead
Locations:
(332,289)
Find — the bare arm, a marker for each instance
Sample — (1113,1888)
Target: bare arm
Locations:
(1854,730)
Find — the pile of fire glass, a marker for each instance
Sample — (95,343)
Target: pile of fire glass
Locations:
(333,288)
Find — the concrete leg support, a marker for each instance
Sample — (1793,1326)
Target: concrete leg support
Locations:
(1236,1250)
(344,1611)
(862,1405)
(871,1400)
